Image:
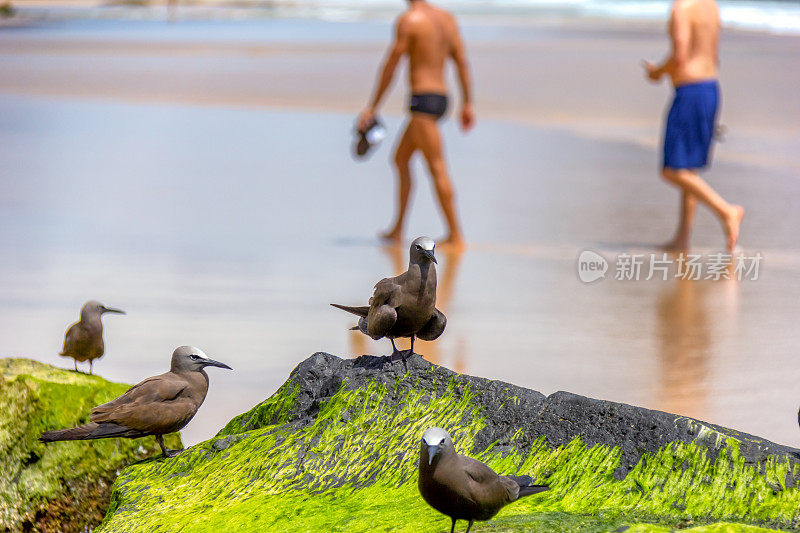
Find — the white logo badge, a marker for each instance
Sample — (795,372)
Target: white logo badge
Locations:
(591,266)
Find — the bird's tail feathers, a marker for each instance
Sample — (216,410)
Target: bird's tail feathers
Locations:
(362,310)
(89,431)
(532,489)
(525,486)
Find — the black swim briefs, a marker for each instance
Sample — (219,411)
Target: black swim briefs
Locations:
(433,104)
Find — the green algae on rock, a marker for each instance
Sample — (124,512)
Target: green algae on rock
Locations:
(62,486)
(336,449)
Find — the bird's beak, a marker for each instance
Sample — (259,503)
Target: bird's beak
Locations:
(429,255)
(113,310)
(211,362)
(432,451)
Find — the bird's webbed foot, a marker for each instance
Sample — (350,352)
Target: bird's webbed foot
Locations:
(397,355)
(400,355)
(164,450)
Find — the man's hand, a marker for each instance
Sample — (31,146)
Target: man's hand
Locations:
(652,71)
(365,119)
(467,117)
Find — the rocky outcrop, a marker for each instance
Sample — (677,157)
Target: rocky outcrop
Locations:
(60,487)
(336,448)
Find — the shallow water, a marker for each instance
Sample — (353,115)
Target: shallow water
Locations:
(232,228)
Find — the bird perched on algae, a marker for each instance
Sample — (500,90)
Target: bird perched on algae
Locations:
(461,487)
(404,306)
(157,406)
(84,339)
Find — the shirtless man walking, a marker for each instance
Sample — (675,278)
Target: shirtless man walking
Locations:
(429,36)
(692,67)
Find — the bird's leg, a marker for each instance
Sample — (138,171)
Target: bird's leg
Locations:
(76,364)
(164,450)
(395,352)
(90,365)
(453,527)
(469,526)
(411,352)
(160,441)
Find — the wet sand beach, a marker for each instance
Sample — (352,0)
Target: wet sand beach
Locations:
(199,177)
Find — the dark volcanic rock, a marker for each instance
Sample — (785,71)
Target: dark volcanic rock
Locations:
(340,433)
(560,417)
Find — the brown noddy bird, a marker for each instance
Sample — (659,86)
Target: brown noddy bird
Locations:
(157,406)
(404,306)
(461,487)
(84,339)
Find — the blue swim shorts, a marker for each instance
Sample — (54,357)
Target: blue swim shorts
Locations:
(690,125)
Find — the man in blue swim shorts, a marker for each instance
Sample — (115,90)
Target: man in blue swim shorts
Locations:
(691,122)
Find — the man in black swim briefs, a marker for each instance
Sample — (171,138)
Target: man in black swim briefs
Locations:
(429,36)
(432,104)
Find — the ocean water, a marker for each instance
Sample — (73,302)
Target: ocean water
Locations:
(761,15)
(775,16)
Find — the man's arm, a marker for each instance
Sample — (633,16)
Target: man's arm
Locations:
(459,55)
(396,52)
(680,35)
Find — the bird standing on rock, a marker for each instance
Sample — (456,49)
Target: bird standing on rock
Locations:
(461,487)
(84,339)
(404,306)
(157,406)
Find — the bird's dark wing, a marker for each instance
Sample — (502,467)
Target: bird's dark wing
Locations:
(477,471)
(76,340)
(384,293)
(434,327)
(155,405)
(382,313)
(380,321)
(485,486)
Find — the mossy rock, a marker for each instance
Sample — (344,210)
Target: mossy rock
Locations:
(61,486)
(336,449)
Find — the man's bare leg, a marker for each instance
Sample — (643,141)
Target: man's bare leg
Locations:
(730,215)
(402,158)
(430,142)
(688,207)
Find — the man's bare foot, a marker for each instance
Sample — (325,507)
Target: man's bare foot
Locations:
(676,245)
(452,243)
(392,237)
(732,223)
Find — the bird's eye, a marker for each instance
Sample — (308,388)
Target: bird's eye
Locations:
(419,247)
(194,356)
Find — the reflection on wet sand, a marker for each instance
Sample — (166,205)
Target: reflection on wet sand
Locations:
(690,316)
(447,273)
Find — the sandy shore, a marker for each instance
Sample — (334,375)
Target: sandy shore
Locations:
(198,176)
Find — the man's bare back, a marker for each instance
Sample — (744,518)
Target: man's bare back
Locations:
(433,35)
(694,32)
(429,36)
